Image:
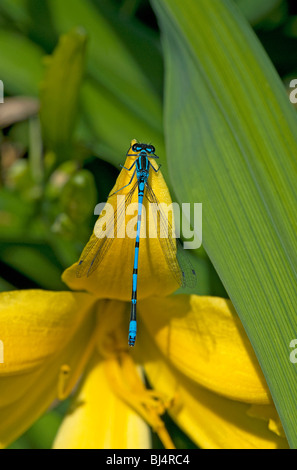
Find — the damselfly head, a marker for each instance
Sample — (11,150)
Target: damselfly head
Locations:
(150,149)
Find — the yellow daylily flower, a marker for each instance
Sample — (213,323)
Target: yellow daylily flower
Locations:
(53,330)
(193,349)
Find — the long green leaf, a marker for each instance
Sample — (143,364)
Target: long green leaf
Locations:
(231,138)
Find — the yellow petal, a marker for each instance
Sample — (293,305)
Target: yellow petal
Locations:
(113,277)
(37,324)
(204,338)
(99,420)
(210,420)
(40,331)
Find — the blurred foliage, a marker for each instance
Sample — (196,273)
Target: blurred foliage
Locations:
(96,68)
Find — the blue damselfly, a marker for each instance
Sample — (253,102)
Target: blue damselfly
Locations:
(96,250)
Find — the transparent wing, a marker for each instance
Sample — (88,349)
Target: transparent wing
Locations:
(97,247)
(176,257)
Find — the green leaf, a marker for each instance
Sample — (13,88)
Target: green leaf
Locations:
(256,11)
(20,64)
(15,12)
(31,262)
(5,286)
(110,61)
(142,42)
(41,434)
(60,91)
(28,17)
(231,136)
(114,125)
(14,215)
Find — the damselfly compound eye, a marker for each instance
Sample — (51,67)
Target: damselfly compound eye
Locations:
(136,147)
(150,149)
